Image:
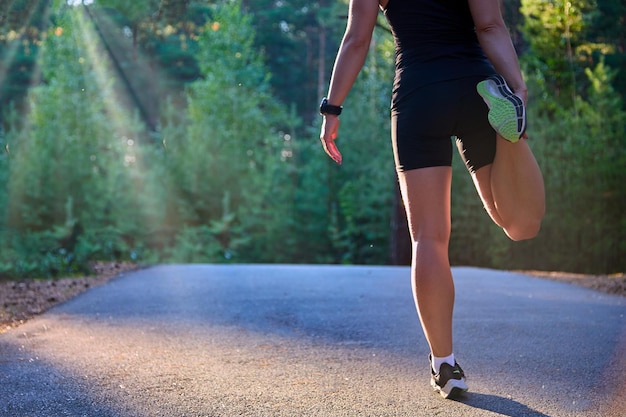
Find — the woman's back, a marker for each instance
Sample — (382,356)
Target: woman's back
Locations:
(436,39)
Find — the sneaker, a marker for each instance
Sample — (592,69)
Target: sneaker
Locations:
(449,382)
(507,113)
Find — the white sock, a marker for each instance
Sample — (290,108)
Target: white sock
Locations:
(437,362)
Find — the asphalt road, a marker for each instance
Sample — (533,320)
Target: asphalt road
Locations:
(282,340)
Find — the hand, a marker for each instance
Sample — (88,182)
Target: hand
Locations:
(523,94)
(328,135)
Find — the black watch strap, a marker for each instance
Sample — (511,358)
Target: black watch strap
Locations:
(326,108)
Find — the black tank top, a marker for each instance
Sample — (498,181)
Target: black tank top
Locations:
(435,41)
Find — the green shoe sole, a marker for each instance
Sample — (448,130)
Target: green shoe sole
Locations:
(507,113)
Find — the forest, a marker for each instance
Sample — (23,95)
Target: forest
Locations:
(186,131)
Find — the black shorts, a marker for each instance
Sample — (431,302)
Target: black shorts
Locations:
(424,122)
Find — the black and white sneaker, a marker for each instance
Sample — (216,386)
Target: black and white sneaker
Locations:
(449,382)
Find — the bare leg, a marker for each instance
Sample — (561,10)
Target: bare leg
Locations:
(426,195)
(512,189)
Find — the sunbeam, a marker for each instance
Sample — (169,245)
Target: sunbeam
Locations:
(116,98)
(92,139)
(20,33)
(84,152)
(125,112)
(100,63)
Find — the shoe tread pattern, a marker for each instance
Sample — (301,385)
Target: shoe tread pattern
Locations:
(507,113)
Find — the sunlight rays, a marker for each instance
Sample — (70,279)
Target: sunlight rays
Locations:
(128,131)
(14,38)
(83,110)
(132,124)
(18,186)
(98,62)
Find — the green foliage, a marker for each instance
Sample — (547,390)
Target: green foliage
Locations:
(22,23)
(228,148)
(227,165)
(132,11)
(367,186)
(358,195)
(608,31)
(72,164)
(300,39)
(566,37)
(197,245)
(584,156)
(554,31)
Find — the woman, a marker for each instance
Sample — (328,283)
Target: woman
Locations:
(445,51)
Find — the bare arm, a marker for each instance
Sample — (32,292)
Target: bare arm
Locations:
(353,49)
(350,59)
(496,42)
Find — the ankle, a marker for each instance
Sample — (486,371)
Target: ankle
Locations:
(437,361)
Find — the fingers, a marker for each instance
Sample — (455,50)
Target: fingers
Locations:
(330,126)
(331,150)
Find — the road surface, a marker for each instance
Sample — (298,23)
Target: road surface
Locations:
(301,340)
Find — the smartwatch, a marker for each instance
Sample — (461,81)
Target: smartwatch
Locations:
(326,108)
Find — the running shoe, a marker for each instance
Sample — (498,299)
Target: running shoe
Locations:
(507,113)
(449,382)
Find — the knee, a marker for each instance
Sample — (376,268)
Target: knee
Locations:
(431,245)
(526,230)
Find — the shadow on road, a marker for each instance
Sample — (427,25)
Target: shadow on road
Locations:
(500,405)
